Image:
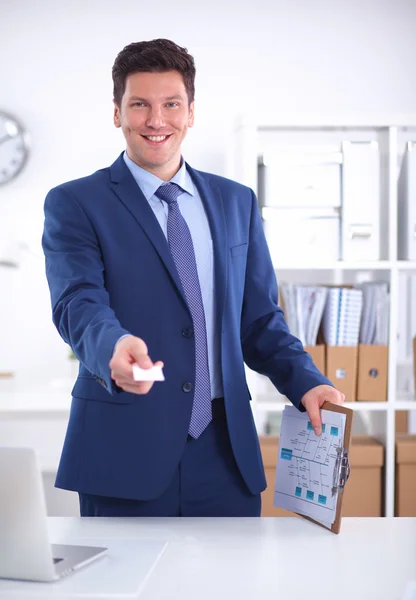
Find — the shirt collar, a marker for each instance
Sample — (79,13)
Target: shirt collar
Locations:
(149,183)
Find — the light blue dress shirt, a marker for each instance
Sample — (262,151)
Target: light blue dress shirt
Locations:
(192,209)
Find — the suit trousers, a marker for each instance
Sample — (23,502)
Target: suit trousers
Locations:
(206,483)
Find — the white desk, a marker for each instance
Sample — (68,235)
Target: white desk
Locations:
(243,559)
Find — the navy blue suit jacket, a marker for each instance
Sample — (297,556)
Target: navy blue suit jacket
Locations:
(110,272)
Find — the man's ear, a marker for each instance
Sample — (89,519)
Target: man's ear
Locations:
(191,117)
(116,118)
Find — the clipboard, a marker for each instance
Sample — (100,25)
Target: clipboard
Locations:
(341,470)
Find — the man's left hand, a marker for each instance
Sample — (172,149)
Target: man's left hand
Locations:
(314,399)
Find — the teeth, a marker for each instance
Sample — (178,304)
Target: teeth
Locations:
(156,138)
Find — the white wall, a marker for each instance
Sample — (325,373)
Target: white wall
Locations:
(345,57)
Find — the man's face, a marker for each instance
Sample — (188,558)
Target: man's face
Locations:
(154,116)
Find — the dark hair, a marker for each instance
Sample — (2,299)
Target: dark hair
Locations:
(155,56)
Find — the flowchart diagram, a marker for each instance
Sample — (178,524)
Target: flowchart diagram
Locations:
(306,464)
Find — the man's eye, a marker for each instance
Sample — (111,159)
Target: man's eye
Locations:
(172,104)
(138,104)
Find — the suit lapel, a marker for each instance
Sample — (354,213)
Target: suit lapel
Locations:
(127,190)
(124,186)
(212,200)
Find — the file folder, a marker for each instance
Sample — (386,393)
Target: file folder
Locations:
(360,201)
(299,179)
(372,373)
(341,364)
(295,482)
(297,233)
(299,195)
(407,205)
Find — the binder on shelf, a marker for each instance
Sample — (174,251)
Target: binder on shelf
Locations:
(340,328)
(360,201)
(372,349)
(372,373)
(403,333)
(407,205)
(414,363)
(312,471)
(342,315)
(412,310)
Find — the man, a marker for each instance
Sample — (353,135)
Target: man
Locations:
(151,258)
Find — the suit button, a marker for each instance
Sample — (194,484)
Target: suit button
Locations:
(187,386)
(187,332)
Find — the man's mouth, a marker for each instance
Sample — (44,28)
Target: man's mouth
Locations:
(156,139)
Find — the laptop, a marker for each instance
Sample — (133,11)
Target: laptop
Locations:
(25,550)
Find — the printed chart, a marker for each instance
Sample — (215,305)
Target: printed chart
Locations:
(306,464)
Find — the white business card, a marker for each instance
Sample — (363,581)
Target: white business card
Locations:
(153,374)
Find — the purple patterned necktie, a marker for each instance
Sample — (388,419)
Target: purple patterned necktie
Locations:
(182,249)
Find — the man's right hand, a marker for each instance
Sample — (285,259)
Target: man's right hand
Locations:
(130,350)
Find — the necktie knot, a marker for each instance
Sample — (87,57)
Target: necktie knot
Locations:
(168,192)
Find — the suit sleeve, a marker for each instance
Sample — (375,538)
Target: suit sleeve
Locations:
(268,346)
(75,272)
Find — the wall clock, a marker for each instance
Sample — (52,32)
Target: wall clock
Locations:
(14,148)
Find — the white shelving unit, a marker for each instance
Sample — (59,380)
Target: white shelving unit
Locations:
(252,138)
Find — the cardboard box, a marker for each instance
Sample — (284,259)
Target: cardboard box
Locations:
(341,369)
(372,373)
(402,421)
(363,492)
(318,356)
(405,475)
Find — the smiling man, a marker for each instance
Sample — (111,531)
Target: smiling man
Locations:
(154,114)
(152,258)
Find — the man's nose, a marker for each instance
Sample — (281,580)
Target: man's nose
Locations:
(155,118)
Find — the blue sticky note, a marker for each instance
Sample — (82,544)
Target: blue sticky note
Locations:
(321,499)
(334,430)
(298,492)
(309,495)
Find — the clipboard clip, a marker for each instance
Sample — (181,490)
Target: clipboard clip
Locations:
(341,471)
